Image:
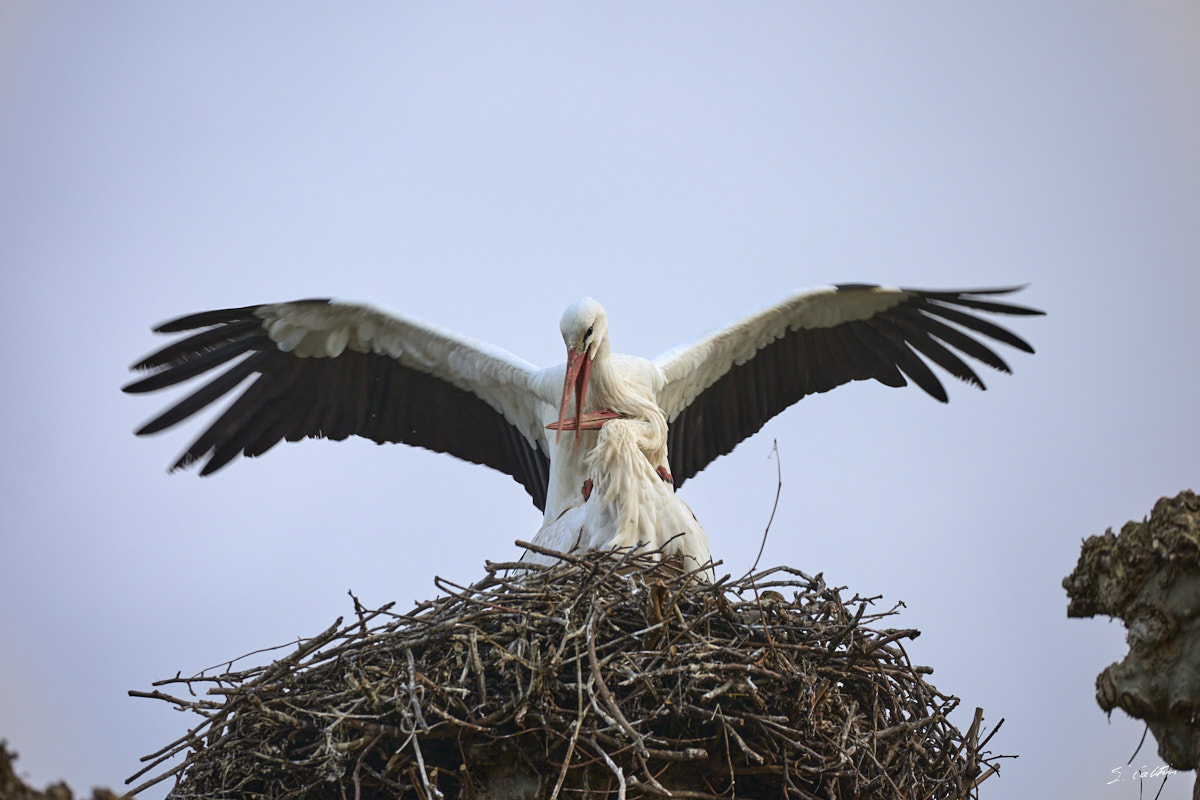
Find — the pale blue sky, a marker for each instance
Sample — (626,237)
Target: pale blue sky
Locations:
(481,166)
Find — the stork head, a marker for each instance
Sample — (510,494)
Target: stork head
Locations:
(584,328)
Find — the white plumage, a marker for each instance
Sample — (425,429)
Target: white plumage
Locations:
(626,501)
(330,369)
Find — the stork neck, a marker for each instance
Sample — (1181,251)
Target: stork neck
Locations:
(613,391)
(604,385)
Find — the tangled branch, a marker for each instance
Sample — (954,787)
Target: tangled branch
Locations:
(607,675)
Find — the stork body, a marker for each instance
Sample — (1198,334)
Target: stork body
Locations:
(332,370)
(628,499)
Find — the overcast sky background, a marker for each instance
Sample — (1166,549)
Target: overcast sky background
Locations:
(483,165)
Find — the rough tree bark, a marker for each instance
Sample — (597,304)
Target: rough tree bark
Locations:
(13,788)
(1149,577)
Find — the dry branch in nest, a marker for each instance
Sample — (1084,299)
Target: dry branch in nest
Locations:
(607,675)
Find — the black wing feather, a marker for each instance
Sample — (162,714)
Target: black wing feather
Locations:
(953,337)
(921,341)
(902,355)
(978,324)
(206,394)
(206,360)
(866,360)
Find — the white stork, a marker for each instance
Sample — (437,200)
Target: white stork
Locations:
(331,369)
(628,499)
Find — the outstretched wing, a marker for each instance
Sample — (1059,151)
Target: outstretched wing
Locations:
(724,386)
(332,370)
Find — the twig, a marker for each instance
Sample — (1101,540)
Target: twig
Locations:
(615,770)
(605,694)
(774,506)
(575,731)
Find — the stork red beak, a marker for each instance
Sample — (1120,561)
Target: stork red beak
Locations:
(591,421)
(579,369)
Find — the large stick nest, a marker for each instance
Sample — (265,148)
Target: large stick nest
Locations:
(603,676)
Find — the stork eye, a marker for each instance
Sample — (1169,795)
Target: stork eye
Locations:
(589,332)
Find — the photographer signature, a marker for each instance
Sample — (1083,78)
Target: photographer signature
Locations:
(1139,773)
